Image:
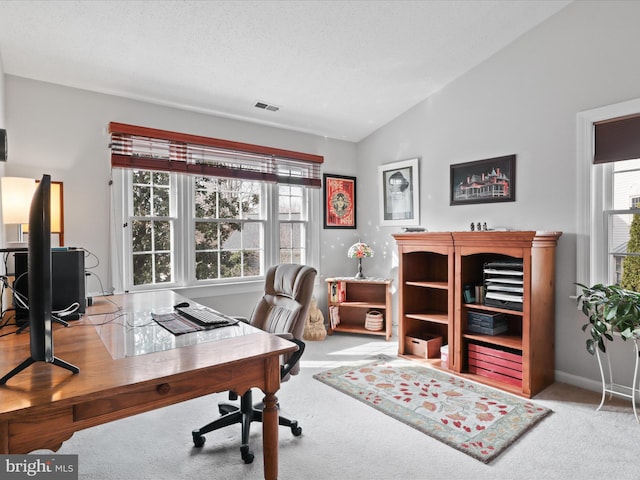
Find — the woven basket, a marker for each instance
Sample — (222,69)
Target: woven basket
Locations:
(374,321)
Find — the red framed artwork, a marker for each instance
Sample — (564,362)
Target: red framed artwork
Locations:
(339,201)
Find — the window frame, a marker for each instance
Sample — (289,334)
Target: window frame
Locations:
(594,194)
(189,233)
(184,269)
(171,218)
(303,220)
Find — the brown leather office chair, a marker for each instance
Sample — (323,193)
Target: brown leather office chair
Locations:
(282,310)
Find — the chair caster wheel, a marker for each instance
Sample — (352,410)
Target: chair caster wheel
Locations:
(247,455)
(198,440)
(296,430)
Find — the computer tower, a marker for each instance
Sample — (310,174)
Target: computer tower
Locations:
(67,273)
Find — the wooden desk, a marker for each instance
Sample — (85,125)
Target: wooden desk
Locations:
(44,405)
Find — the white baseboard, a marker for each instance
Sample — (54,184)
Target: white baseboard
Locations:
(586,383)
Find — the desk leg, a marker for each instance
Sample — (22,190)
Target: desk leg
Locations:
(270,419)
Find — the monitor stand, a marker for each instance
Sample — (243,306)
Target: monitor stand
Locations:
(30,360)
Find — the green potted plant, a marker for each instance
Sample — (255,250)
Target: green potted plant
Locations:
(610,309)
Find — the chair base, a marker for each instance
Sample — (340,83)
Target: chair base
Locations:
(244,414)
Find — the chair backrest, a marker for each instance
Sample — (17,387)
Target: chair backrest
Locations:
(285,304)
(284,307)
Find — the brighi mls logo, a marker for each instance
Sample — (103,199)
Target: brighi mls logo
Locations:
(50,467)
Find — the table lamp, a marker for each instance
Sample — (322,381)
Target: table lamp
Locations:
(360,250)
(16,200)
(57,212)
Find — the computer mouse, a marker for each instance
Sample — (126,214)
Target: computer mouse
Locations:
(181,305)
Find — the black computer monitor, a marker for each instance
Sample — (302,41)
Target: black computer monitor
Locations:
(39,273)
(40,284)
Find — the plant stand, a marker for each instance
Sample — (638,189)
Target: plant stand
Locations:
(617,389)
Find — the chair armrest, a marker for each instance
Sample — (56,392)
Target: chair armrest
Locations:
(293,358)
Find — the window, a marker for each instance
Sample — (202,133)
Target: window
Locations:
(217,218)
(624,178)
(608,192)
(226,226)
(292,211)
(229,231)
(151,227)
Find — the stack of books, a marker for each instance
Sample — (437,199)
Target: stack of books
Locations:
(338,292)
(334,316)
(487,323)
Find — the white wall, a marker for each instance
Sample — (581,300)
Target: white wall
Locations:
(63,131)
(522,101)
(2,122)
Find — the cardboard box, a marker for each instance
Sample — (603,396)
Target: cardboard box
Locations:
(422,345)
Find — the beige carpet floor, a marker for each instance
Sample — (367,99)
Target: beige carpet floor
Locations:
(345,439)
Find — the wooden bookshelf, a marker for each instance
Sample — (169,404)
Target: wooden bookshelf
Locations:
(435,267)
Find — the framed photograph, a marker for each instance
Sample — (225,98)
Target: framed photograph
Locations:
(399,193)
(484,181)
(339,201)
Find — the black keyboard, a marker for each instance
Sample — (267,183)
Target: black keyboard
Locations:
(176,324)
(205,317)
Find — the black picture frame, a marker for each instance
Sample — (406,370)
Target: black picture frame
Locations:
(490,180)
(399,186)
(339,195)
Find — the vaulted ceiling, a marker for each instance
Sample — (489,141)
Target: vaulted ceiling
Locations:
(340,69)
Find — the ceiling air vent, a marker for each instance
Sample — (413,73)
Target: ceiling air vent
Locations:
(266,106)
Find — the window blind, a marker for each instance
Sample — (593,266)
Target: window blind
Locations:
(617,139)
(151,149)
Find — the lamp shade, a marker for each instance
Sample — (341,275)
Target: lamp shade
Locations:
(57,212)
(17,193)
(57,209)
(359,250)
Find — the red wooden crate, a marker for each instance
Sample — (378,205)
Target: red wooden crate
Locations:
(487,365)
(495,363)
(497,376)
(495,352)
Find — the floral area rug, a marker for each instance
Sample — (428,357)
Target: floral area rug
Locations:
(477,420)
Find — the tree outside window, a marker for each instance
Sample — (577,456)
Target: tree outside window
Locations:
(228,228)
(151,228)
(194,230)
(292,215)
(624,223)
